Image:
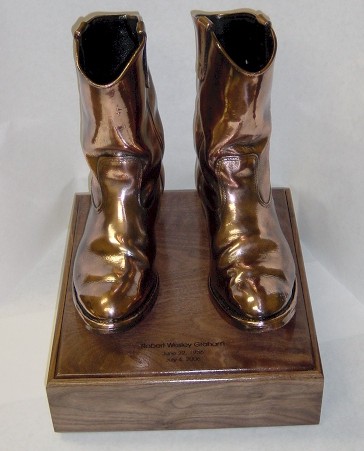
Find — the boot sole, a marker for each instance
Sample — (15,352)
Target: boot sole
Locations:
(122,324)
(273,322)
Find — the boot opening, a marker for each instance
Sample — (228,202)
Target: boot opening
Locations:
(248,43)
(105,47)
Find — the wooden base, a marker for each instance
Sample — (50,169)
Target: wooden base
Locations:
(184,366)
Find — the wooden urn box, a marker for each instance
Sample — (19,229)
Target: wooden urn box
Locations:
(184,366)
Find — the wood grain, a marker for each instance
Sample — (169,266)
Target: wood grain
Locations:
(184,366)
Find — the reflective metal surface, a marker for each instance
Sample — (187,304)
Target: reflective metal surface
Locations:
(122,139)
(252,276)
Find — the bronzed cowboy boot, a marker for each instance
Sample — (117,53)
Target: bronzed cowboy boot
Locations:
(252,275)
(122,139)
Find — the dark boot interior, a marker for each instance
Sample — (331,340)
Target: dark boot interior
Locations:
(247,42)
(105,46)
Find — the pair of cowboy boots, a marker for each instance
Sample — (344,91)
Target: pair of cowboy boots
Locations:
(252,273)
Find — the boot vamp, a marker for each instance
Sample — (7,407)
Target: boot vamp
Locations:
(254,265)
(255,272)
(111,277)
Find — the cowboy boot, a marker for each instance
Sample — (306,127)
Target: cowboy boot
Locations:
(252,272)
(115,284)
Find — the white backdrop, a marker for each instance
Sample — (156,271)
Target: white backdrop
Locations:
(317,143)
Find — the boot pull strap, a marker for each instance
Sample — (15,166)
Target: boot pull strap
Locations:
(203,32)
(140,28)
(79,30)
(263,19)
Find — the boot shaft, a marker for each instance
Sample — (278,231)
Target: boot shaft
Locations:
(119,113)
(235,56)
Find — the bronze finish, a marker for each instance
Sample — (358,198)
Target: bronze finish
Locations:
(122,139)
(182,367)
(252,273)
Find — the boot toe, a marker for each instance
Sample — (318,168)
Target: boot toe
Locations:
(259,301)
(116,308)
(261,305)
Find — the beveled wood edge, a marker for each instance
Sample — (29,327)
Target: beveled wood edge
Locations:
(63,289)
(292,376)
(304,284)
